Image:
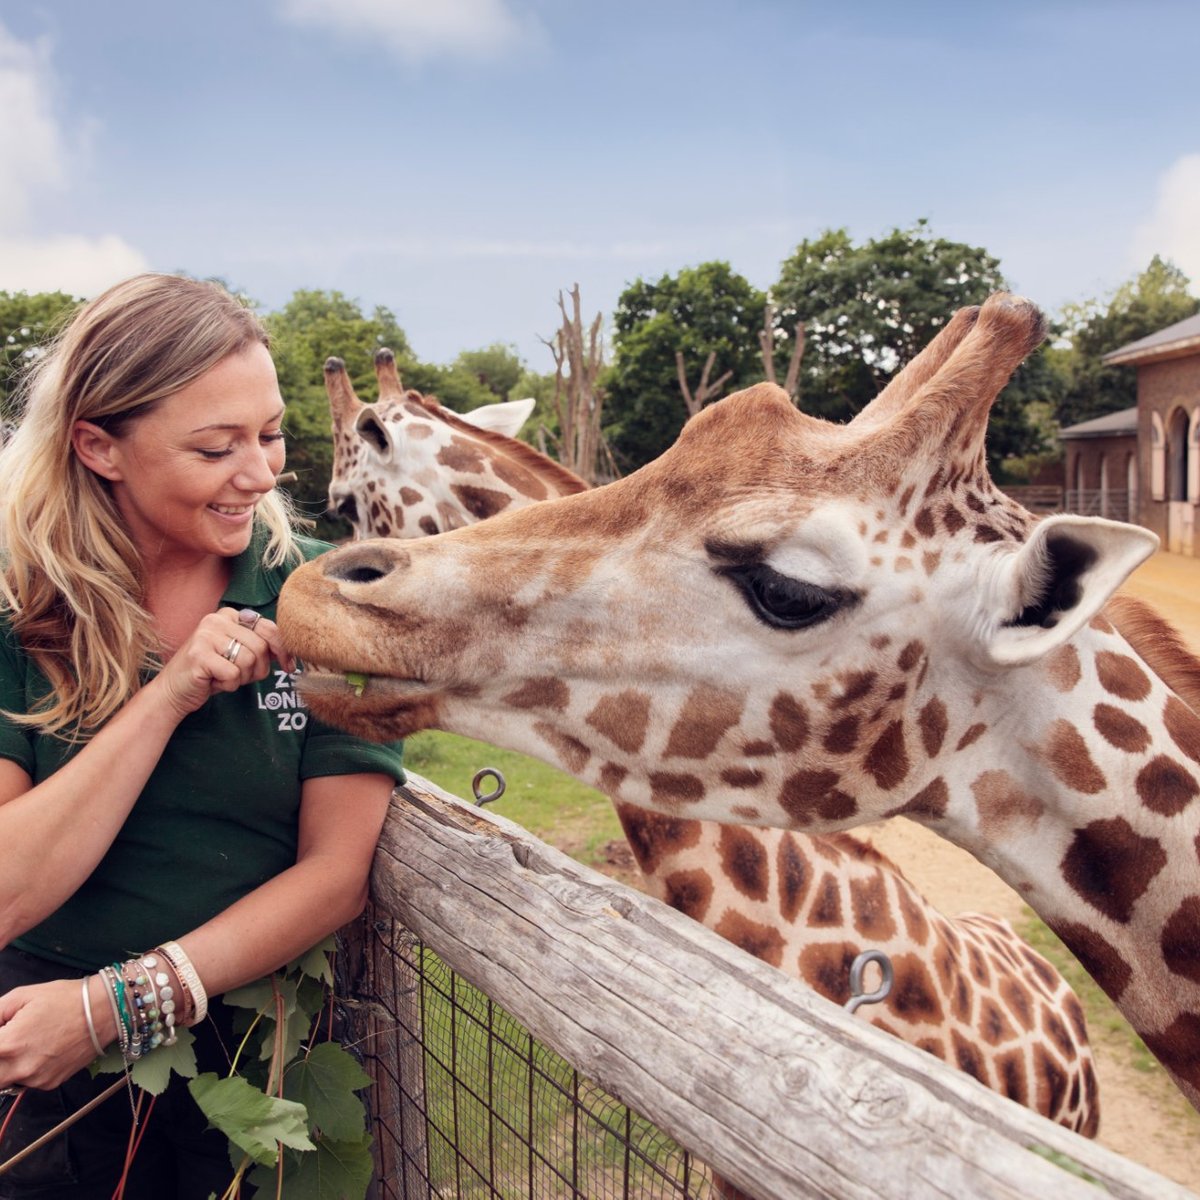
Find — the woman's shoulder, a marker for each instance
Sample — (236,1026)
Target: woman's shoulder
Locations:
(311,547)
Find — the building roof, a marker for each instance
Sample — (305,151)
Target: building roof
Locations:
(1111,425)
(1176,341)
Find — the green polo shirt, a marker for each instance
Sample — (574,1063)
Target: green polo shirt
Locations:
(217,817)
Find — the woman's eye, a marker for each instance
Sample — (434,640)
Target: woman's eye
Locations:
(215,454)
(783,602)
(277,436)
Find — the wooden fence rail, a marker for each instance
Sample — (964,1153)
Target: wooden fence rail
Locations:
(782,1092)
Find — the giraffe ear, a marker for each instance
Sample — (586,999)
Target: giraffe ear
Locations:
(507,417)
(373,431)
(1059,580)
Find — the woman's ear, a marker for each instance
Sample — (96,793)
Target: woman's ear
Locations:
(96,449)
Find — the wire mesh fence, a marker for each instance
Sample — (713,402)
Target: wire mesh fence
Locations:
(467,1103)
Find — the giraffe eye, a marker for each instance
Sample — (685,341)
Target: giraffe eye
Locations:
(783,602)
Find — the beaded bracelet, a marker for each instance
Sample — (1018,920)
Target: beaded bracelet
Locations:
(115,990)
(189,981)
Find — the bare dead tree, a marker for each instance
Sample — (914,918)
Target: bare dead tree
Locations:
(578,402)
(705,390)
(766,341)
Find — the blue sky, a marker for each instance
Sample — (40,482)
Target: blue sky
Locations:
(461,162)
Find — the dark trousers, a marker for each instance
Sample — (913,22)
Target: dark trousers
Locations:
(179,1157)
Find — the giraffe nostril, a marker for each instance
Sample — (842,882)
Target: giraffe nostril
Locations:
(348,508)
(365,562)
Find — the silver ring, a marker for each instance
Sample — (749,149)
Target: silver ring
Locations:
(11,1091)
(232,650)
(248,617)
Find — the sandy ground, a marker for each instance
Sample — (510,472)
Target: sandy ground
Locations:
(1144,1117)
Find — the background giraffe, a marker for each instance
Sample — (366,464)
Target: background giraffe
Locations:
(850,622)
(967,989)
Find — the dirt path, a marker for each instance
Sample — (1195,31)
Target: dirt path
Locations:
(1144,1117)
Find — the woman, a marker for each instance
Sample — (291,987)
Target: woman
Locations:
(172,824)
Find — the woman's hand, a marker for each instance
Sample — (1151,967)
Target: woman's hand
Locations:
(226,650)
(43,1035)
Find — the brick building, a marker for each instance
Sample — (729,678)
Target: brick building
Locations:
(1159,468)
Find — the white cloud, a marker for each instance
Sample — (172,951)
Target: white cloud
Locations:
(36,158)
(418,29)
(81,266)
(31,145)
(1173,228)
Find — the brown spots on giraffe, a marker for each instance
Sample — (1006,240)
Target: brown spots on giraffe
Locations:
(952,519)
(924,523)
(907,540)
(1041,968)
(706,716)
(689,892)
(930,802)
(880,641)
(985,533)
(994,1027)
(827,902)
(1183,727)
(1119,729)
(1010,1071)
(1057,1032)
(410,496)
(462,455)
(914,996)
(763,941)
(611,777)
(826,967)
(623,718)
(975,503)
(842,736)
(1166,787)
(1069,758)
(758,749)
(855,687)
(930,560)
(887,760)
(1018,999)
(915,922)
(1122,676)
(744,860)
(749,813)
(397,517)
(571,751)
(902,564)
(789,723)
(521,480)
(1091,1098)
(654,837)
(881,537)
(1110,865)
(742,778)
(428,526)
(481,502)
(1002,803)
(870,909)
(967,1057)
(1051,1080)
(794,874)
(904,501)
(809,794)
(1100,623)
(418,430)
(1097,955)
(933,723)
(973,734)
(543,692)
(1181,940)
(910,656)
(670,789)
(1178,1047)
(1063,669)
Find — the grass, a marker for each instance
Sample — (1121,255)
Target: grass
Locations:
(552,805)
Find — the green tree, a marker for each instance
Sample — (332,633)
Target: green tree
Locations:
(498,367)
(1151,301)
(312,326)
(868,309)
(702,310)
(26,321)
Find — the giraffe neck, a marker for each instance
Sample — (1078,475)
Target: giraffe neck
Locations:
(1089,806)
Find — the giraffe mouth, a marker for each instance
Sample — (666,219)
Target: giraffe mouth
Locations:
(317,679)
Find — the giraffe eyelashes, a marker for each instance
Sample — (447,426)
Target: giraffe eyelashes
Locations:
(783,602)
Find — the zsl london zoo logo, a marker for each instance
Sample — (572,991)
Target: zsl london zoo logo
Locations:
(284,701)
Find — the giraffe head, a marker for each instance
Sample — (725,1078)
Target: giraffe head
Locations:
(780,621)
(407,467)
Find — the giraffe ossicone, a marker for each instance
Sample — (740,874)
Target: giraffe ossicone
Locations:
(968,990)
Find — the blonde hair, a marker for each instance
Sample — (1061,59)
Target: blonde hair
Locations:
(72,577)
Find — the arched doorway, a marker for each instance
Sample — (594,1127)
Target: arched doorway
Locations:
(1180,508)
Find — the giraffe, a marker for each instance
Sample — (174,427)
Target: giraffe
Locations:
(786,622)
(967,989)
(408,467)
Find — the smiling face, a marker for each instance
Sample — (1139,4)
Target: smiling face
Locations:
(186,475)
